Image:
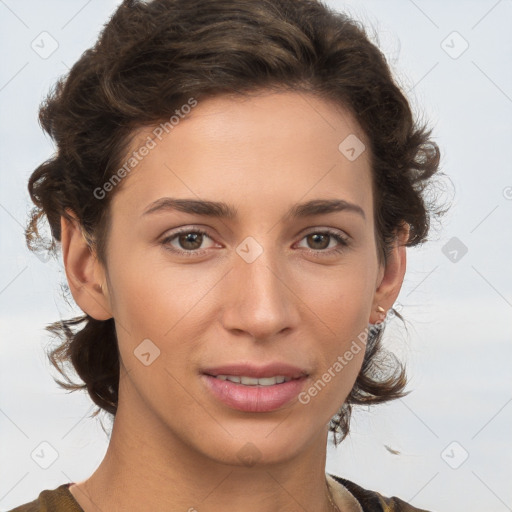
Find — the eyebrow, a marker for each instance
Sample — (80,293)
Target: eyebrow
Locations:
(218,209)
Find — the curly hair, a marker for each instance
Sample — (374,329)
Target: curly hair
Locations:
(150,58)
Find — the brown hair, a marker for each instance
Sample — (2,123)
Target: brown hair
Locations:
(150,59)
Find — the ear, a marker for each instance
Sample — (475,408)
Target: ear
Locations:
(391,277)
(85,274)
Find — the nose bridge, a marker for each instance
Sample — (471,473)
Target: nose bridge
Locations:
(260,301)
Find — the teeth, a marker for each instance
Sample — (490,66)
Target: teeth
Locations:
(253,381)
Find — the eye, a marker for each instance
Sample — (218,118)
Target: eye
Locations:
(320,240)
(188,239)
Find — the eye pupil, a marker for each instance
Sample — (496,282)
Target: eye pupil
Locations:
(325,237)
(191,238)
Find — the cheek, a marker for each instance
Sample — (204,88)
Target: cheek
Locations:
(340,296)
(153,304)
(152,295)
(343,308)
(341,303)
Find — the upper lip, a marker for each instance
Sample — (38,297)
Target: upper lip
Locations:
(259,372)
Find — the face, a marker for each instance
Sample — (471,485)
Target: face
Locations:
(263,293)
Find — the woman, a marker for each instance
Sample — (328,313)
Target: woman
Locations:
(235,186)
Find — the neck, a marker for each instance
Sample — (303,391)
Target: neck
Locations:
(148,468)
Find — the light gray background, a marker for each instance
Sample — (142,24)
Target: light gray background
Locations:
(458,342)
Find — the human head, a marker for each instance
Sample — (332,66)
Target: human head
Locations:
(215,49)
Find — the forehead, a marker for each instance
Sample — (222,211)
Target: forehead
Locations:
(265,150)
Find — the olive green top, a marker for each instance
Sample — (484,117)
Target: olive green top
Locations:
(343,492)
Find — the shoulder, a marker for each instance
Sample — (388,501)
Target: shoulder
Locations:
(52,500)
(372,501)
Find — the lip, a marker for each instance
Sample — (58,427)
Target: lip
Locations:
(260,372)
(255,398)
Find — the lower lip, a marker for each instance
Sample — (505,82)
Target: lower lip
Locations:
(254,398)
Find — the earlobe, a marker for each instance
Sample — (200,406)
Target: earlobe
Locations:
(390,279)
(84,272)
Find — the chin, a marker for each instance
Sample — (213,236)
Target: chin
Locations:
(259,449)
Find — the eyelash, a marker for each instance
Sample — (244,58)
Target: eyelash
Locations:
(342,240)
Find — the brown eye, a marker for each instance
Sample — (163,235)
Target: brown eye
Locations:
(186,242)
(318,242)
(190,241)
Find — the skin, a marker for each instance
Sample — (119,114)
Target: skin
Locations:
(174,446)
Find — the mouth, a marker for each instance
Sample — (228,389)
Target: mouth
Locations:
(255,389)
(244,380)
(247,371)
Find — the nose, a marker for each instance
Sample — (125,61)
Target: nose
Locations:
(260,300)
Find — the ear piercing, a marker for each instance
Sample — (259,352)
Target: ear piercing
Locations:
(380,309)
